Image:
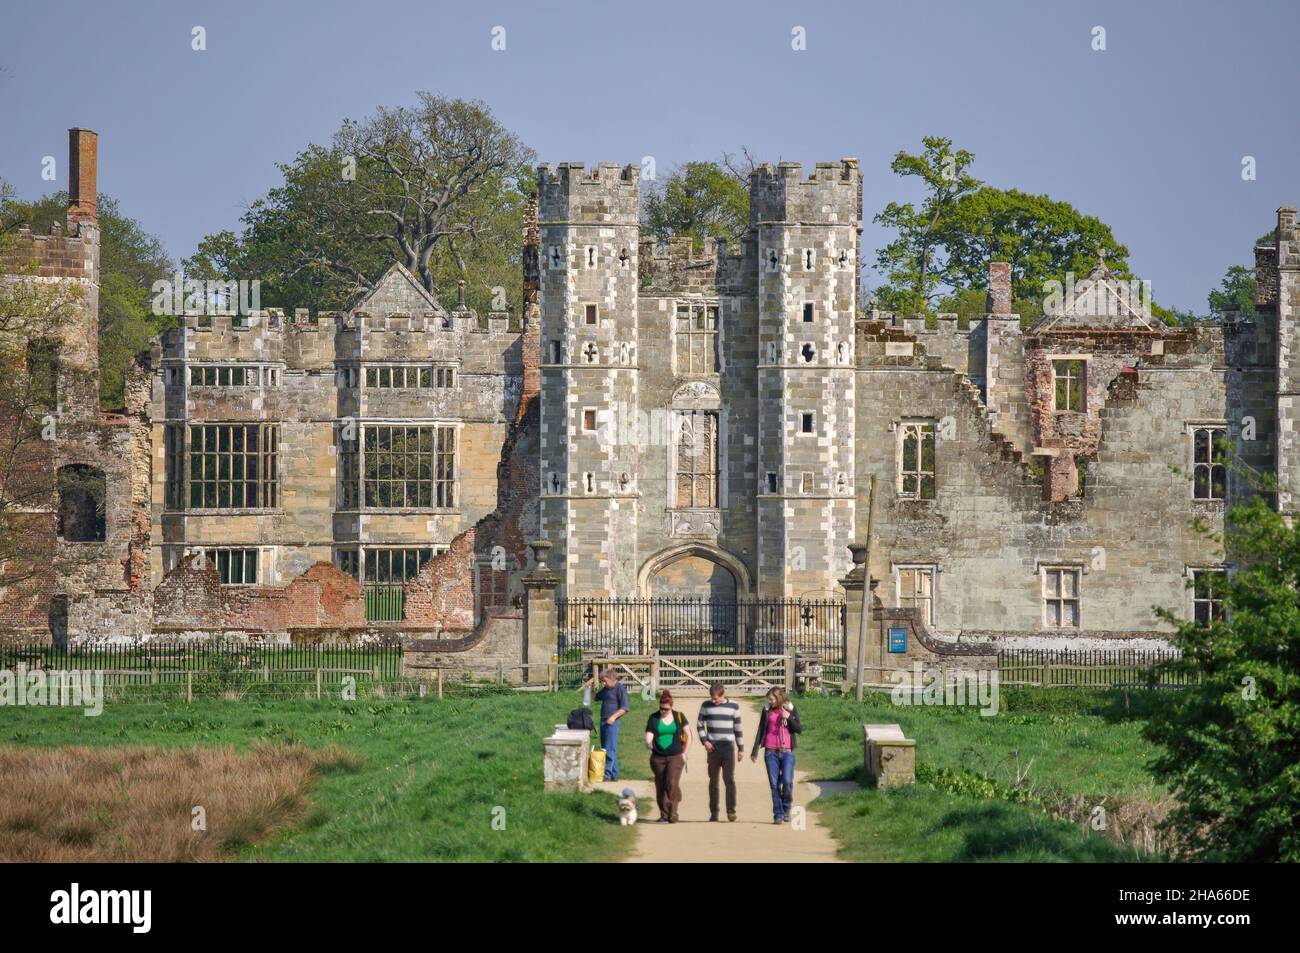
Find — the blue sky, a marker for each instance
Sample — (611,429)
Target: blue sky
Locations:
(1148,135)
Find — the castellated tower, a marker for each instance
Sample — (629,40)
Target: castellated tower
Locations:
(807,248)
(1286,300)
(588,224)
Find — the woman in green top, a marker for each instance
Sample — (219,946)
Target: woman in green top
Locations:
(668,736)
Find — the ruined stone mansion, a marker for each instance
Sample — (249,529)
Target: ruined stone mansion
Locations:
(674,422)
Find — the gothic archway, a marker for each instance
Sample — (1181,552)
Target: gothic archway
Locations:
(694,570)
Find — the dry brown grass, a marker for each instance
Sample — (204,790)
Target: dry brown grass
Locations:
(137,804)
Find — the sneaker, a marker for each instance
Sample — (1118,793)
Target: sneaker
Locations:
(663,819)
(731,815)
(785,820)
(673,819)
(778,820)
(713,818)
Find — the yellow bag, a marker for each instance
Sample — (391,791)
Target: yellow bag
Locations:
(596,766)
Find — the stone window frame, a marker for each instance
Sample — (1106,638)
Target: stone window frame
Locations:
(595,420)
(41,364)
(415,375)
(715,333)
(495,593)
(903,428)
(1059,595)
(265,374)
(267,482)
(352,558)
(445,491)
(1195,599)
(931,569)
(590,314)
(264,564)
(1217,458)
(1082,379)
(808,418)
(692,398)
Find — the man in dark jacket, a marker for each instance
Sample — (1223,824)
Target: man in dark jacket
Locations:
(613,706)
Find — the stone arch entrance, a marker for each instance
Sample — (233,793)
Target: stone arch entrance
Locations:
(694,571)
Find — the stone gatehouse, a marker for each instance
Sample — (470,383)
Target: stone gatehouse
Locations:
(674,421)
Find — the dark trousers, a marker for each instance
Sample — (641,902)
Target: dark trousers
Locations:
(722,760)
(667,769)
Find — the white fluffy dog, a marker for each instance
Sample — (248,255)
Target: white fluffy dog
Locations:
(627,808)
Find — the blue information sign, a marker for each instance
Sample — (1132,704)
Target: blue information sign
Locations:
(898,638)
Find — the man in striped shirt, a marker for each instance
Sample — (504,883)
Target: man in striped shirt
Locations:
(719,728)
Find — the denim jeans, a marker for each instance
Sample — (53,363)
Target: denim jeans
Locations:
(609,741)
(780,775)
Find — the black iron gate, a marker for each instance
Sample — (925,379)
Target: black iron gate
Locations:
(690,626)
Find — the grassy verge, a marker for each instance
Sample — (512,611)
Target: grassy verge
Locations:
(457,779)
(988,787)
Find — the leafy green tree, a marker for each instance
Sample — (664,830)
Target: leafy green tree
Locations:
(1041,238)
(130,261)
(1235,293)
(1231,740)
(700,200)
(918,263)
(439,186)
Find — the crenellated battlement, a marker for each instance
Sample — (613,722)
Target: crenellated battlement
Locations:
(831,194)
(609,193)
(62,253)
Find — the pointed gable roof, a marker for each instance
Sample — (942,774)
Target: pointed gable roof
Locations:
(1101,301)
(398,292)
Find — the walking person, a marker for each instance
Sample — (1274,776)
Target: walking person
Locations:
(613,706)
(778,727)
(719,730)
(668,736)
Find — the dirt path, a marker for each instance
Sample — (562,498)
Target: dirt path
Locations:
(752,838)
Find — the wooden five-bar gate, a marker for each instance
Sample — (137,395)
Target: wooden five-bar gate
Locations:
(700,626)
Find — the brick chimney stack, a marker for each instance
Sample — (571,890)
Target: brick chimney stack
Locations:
(83,153)
(999,300)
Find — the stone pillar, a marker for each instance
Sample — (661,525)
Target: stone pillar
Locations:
(853,583)
(541,627)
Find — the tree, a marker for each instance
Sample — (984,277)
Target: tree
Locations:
(917,263)
(1235,293)
(1041,238)
(1231,739)
(700,200)
(130,261)
(439,187)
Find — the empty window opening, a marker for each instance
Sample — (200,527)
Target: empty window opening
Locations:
(771,482)
(807,352)
(806,421)
(81,503)
(916,460)
(1207,596)
(43,374)
(557,352)
(1061,598)
(696,339)
(808,312)
(916,591)
(808,259)
(1209,464)
(1068,380)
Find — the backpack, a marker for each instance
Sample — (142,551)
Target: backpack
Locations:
(580,720)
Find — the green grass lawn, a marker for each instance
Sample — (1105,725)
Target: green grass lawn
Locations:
(983,782)
(435,774)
